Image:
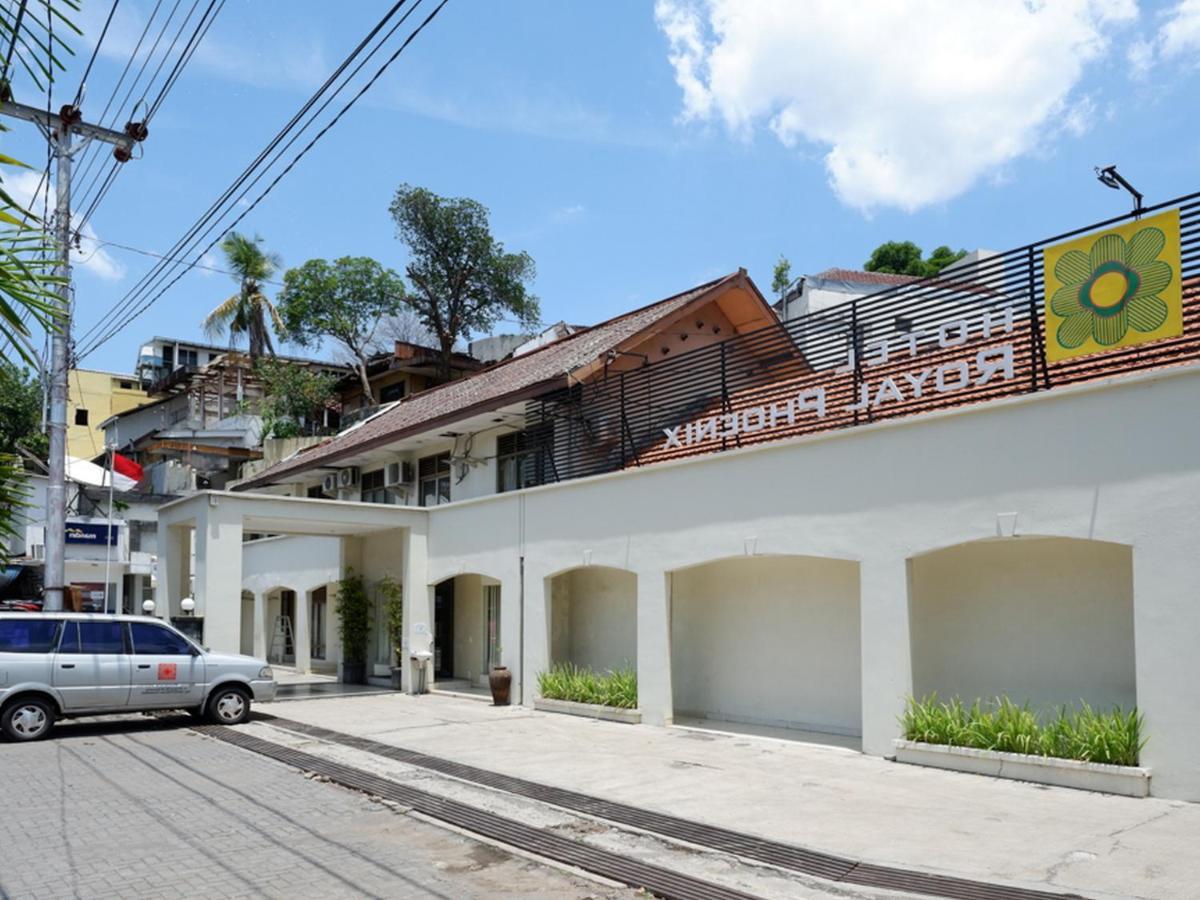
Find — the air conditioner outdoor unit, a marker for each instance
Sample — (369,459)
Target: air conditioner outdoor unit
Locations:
(347,477)
(398,475)
(329,487)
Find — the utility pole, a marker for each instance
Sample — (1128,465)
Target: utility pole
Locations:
(60,130)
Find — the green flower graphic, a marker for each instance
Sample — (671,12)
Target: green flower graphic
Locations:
(1113,288)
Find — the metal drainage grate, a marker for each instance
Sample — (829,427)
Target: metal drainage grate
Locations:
(655,879)
(785,856)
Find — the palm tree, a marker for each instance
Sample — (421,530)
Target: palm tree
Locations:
(247,311)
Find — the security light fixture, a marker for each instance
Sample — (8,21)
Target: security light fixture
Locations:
(1110,177)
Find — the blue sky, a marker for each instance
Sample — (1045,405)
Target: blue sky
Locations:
(635,149)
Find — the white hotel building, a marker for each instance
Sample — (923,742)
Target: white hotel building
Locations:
(793,525)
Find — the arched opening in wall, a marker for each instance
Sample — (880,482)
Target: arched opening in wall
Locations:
(466,633)
(593,618)
(246,637)
(1043,620)
(769,645)
(281,626)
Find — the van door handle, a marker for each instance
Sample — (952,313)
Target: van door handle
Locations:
(68,665)
(143,665)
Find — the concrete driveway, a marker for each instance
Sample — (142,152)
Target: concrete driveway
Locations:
(821,797)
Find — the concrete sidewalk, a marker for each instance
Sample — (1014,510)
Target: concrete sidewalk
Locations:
(821,797)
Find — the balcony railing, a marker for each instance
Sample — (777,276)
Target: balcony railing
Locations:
(969,336)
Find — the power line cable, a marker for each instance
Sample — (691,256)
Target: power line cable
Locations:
(370,83)
(133,86)
(95,52)
(193,265)
(196,232)
(89,157)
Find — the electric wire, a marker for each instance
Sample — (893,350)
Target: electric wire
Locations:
(92,152)
(114,321)
(12,44)
(114,166)
(288,168)
(95,52)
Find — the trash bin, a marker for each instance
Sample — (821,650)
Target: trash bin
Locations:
(421,660)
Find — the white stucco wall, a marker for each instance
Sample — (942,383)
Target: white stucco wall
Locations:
(593,618)
(1110,461)
(769,640)
(1043,620)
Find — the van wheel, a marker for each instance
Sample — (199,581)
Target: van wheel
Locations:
(27,719)
(229,706)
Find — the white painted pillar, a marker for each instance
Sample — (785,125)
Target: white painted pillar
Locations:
(418,606)
(260,624)
(1166,582)
(537,632)
(654,648)
(174,568)
(886,651)
(510,635)
(301,632)
(219,576)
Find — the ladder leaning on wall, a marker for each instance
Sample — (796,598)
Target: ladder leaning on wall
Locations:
(281,639)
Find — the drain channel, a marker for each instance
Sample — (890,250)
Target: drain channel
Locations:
(655,879)
(785,856)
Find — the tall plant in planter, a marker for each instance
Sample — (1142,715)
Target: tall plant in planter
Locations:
(354,617)
(392,596)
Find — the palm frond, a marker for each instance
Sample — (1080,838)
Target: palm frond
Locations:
(223,317)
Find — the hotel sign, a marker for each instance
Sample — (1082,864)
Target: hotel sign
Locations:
(1117,288)
(96,533)
(988,365)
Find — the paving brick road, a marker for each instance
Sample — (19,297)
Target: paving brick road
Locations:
(130,809)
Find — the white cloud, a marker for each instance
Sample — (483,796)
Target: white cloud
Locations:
(91,255)
(911,102)
(1177,36)
(566,214)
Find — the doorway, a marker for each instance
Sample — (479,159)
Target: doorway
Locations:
(443,630)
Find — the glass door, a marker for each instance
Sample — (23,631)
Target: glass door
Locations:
(491,593)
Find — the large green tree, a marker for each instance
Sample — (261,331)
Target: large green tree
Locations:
(344,300)
(247,311)
(906,258)
(463,281)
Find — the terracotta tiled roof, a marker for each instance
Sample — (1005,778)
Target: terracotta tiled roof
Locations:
(854,275)
(505,382)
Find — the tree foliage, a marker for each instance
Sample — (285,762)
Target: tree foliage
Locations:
(905,258)
(354,617)
(345,300)
(294,398)
(781,276)
(21,412)
(462,278)
(247,311)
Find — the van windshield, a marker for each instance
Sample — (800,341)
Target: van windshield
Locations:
(28,635)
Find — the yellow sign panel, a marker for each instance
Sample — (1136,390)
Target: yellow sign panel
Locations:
(1117,288)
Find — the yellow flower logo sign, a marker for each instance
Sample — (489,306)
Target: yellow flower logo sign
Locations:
(1115,289)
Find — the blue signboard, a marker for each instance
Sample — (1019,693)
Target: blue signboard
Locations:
(96,533)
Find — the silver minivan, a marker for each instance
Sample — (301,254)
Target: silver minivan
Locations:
(59,665)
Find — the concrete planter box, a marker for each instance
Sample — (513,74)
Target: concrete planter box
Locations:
(1130,781)
(589,710)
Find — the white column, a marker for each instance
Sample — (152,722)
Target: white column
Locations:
(260,624)
(654,648)
(219,575)
(174,568)
(1166,573)
(301,634)
(886,650)
(536,655)
(418,606)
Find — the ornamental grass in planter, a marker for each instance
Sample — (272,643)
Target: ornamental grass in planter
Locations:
(1113,737)
(567,681)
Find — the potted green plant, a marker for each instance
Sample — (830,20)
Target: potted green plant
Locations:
(392,596)
(354,617)
(500,683)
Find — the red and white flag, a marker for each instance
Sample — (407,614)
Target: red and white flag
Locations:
(125,473)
